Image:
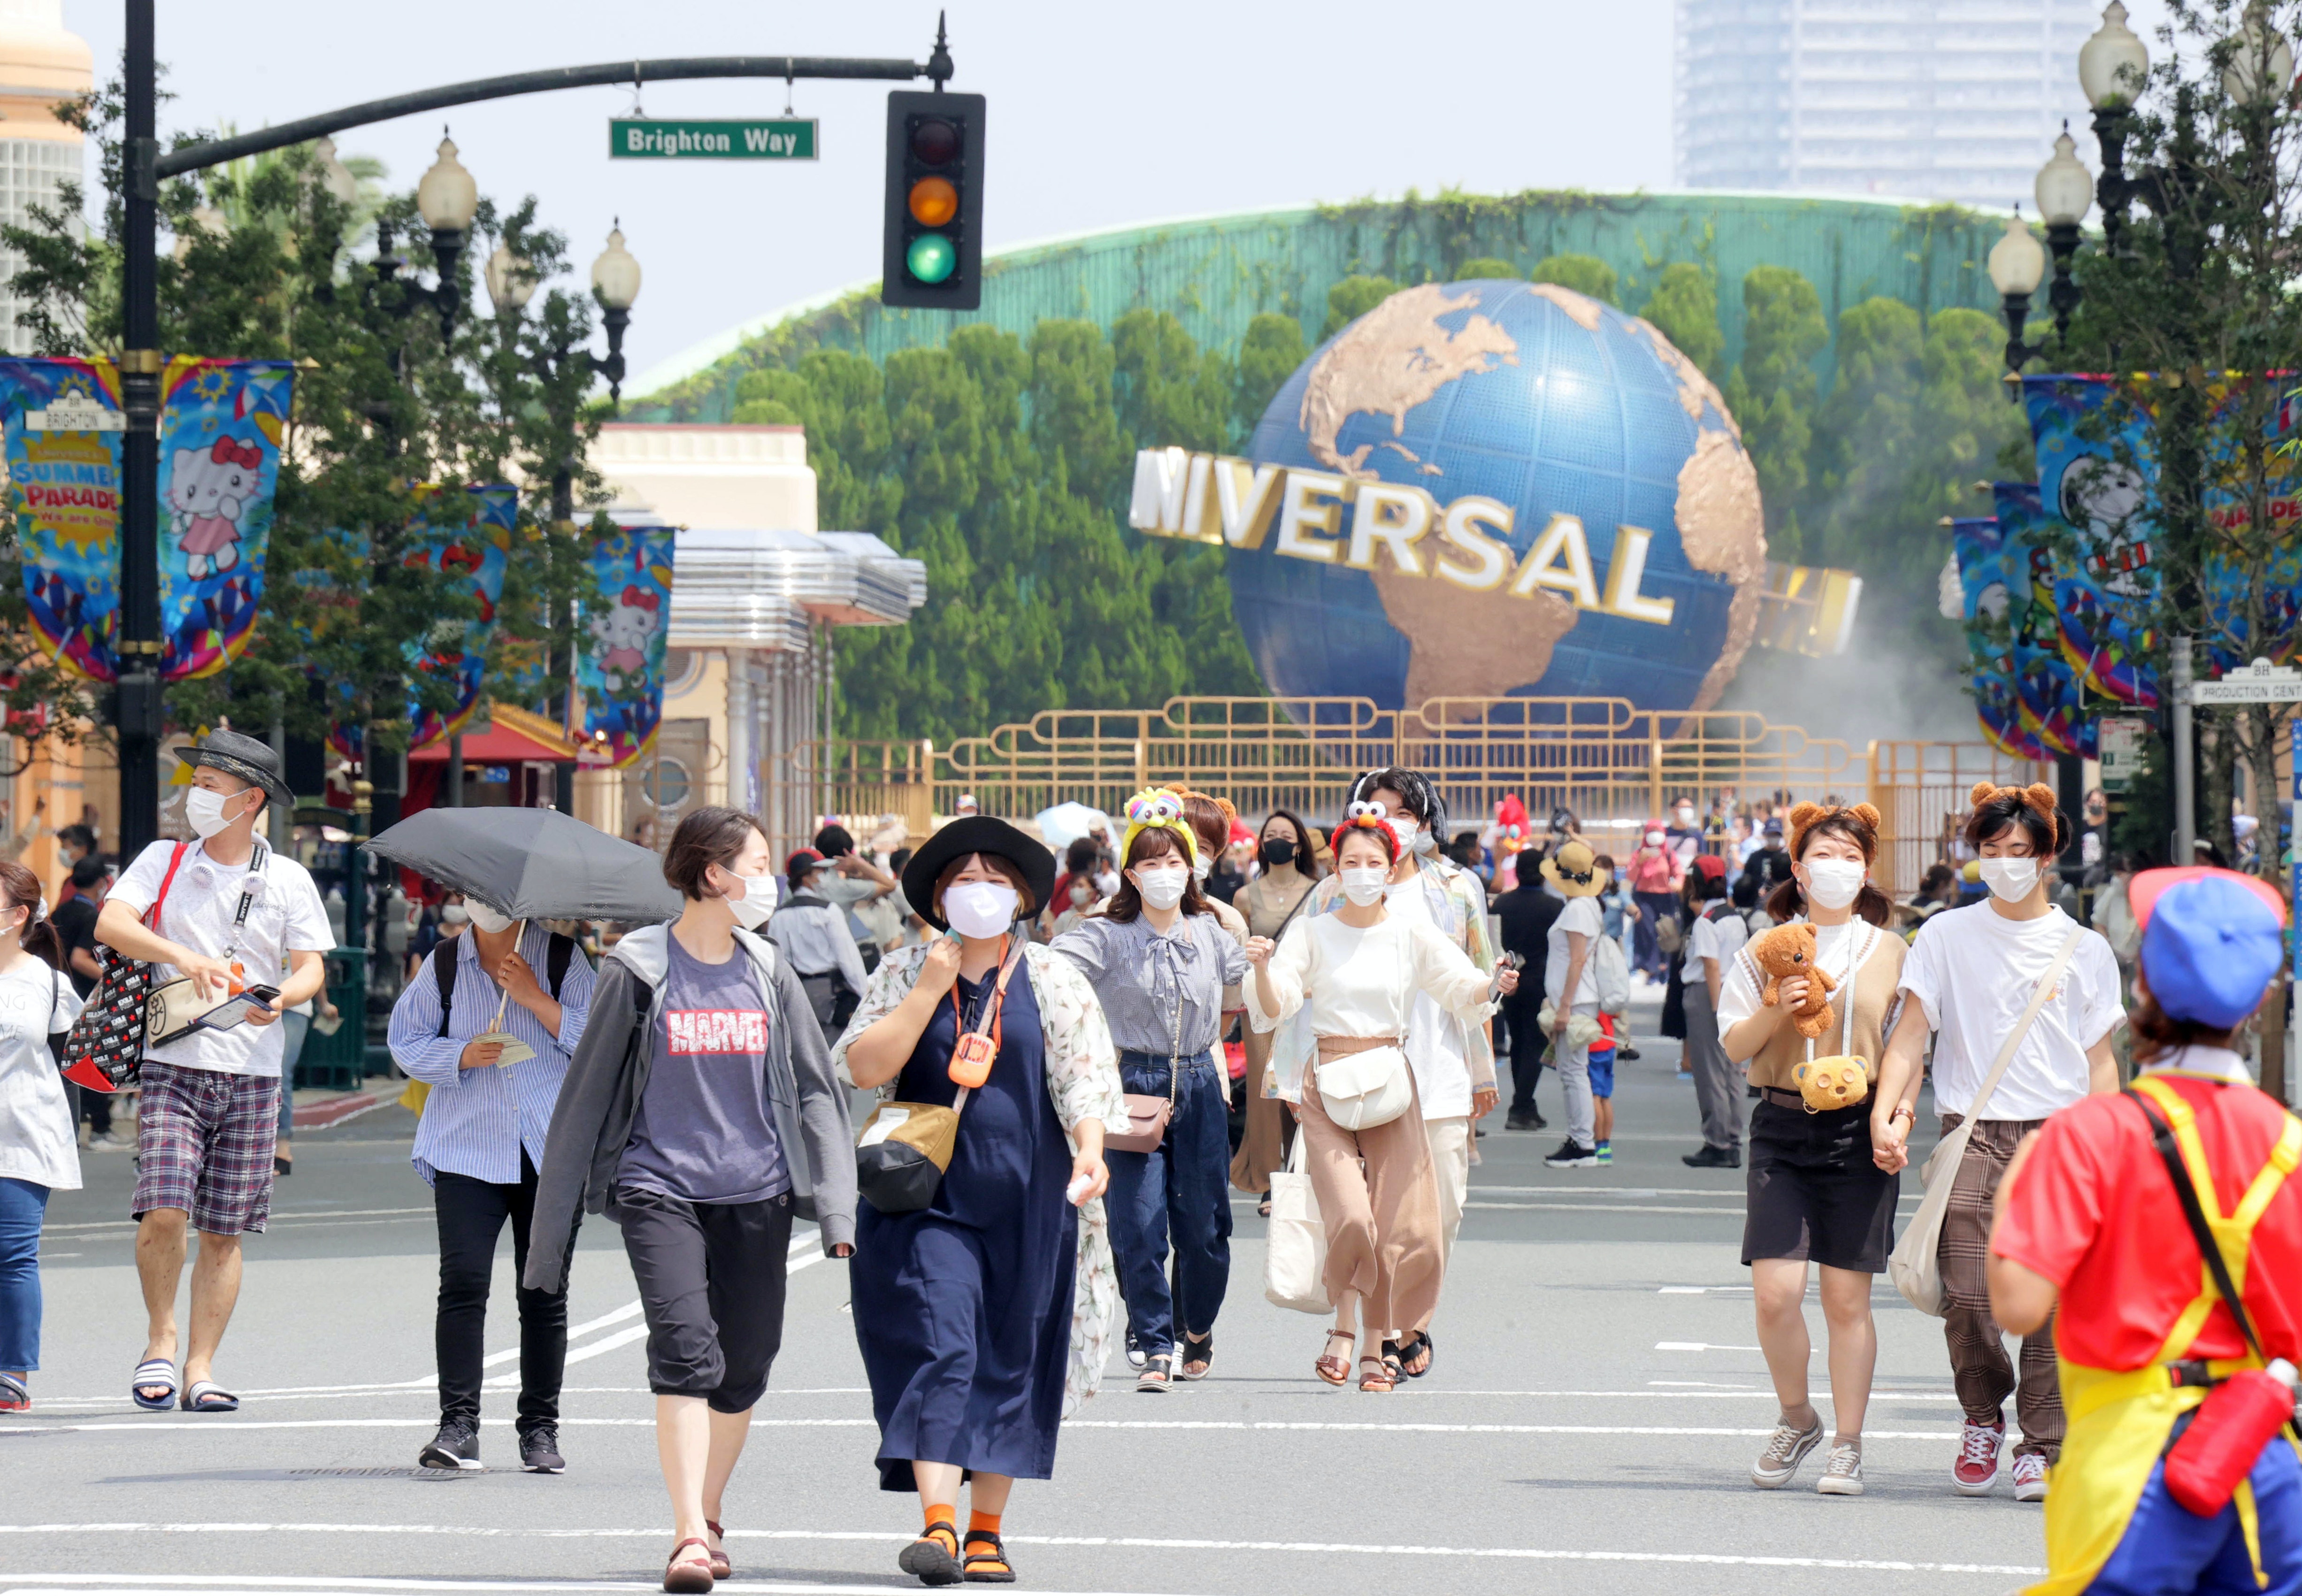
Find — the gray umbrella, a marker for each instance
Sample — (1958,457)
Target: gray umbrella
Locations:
(532,864)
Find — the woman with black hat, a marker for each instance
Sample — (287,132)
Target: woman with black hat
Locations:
(982,1318)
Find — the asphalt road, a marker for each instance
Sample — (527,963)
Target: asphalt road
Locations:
(1597,1399)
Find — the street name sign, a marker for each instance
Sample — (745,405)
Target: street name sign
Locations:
(753,139)
(2260,682)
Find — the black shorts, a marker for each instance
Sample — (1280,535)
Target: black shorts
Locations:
(1814,1192)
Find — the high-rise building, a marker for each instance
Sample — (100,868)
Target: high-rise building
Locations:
(1912,99)
(41,66)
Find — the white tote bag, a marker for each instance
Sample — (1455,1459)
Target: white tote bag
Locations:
(1294,1244)
(1362,1090)
(1915,1265)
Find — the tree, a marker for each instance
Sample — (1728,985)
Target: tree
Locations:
(1684,307)
(1352,298)
(1584,273)
(1268,355)
(1485,266)
(1772,392)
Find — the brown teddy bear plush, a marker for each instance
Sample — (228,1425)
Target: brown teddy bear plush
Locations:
(1786,951)
(1827,1083)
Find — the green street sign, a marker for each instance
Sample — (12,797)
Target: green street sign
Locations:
(650,139)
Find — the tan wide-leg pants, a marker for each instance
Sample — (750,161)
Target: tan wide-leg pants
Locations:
(1263,1145)
(1384,1236)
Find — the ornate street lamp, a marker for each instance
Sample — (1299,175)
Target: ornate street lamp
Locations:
(616,282)
(2114,64)
(447,197)
(510,280)
(2017,264)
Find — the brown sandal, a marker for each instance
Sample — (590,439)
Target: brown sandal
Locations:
(1335,1371)
(721,1568)
(1375,1377)
(685,1574)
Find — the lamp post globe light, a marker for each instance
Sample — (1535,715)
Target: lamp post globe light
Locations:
(510,280)
(447,197)
(2261,66)
(616,283)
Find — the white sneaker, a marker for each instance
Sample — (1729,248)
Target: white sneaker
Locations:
(2030,1477)
(1975,1470)
(1787,1449)
(1843,1476)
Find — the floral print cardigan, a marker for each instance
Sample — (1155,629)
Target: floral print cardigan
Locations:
(1083,1082)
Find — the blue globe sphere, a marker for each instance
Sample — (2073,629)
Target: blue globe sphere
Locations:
(1551,404)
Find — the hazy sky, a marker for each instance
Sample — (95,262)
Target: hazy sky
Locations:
(1100,115)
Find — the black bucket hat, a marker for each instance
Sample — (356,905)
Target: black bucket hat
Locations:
(236,753)
(975,834)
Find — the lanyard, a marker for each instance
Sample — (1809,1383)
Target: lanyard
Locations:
(256,869)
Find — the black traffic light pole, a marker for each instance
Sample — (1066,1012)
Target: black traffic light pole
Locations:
(137,714)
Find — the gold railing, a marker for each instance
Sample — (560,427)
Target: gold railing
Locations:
(1609,763)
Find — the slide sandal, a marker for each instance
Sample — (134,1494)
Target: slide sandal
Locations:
(206,1396)
(155,1371)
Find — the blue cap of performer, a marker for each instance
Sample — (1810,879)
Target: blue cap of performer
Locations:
(2212,939)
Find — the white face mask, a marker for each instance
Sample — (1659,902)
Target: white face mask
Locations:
(758,902)
(1410,835)
(1201,868)
(454,914)
(1686,817)
(487,918)
(1654,839)
(2011,879)
(1106,882)
(1162,886)
(1082,893)
(980,909)
(1366,884)
(1425,840)
(1835,883)
(203,811)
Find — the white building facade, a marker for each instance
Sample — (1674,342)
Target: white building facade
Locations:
(1908,99)
(41,65)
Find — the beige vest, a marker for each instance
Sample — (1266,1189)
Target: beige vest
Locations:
(1875,985)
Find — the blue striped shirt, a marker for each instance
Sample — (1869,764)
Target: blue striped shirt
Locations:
(476,1121)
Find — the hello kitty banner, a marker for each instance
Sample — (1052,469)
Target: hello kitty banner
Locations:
(221,423)
(619,668)
(64,492)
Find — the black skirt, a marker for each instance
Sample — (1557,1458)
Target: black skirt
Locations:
(1814,1192)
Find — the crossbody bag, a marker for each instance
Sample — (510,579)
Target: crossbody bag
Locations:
(905,1148)
(104,1047)
(1148,1115)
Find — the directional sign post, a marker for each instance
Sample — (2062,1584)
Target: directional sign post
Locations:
(2260,682)
(753,139)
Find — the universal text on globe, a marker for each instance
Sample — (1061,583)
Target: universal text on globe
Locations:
(1229,502)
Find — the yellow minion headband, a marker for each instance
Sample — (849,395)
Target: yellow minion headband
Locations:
(1159,809)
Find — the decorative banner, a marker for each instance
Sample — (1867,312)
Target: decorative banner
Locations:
(619,668)
(2228,631)
(221,423)
(2102,599)
(475,552)
(66,500)
(1990,581)
(2046,688)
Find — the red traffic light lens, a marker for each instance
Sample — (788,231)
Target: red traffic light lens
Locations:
(934,201)
(934,140)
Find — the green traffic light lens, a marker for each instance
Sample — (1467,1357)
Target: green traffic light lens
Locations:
(931,257)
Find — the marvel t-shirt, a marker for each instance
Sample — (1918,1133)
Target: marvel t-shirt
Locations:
(705,1131)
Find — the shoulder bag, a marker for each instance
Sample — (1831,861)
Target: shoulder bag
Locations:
(1916,1261)
(1147,1115)
(905,1147)
(105,1045)
(1362,1090)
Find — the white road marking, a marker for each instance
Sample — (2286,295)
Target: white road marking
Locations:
(237,1426)
(1701,1347)
(1324,1548)
(1603,1208)
(298,1216)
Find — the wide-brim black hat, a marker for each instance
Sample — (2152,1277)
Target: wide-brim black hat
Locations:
(236,753)
(975,834)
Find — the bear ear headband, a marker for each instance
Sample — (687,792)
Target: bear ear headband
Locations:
(2038,798)
(1804,817)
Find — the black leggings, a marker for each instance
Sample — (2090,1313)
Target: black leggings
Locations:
(711,1285)
(471,1215)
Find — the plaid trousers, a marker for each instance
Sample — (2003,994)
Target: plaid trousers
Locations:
(1981,1372)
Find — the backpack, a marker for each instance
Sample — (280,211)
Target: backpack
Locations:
(558,952)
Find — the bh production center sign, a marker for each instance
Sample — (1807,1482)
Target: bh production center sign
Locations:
(751,139)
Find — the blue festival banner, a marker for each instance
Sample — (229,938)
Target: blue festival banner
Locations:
(64,492)
(1989,581)
(2046,688)
(221,423)
(475,549)
(2093,478)
(619,668)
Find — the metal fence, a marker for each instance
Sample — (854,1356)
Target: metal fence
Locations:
(1610,764)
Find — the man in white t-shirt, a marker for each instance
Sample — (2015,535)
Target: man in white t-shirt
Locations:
(231,916)
(1570,981)
(1973,972)
(1717,934)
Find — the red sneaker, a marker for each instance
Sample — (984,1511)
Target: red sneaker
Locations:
(1976,1471)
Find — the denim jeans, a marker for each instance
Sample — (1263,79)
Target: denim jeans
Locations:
(22,1206)
(1181,1190)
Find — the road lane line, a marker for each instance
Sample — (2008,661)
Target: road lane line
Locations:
(1601,1208)
(239,1426)
(1324,1548)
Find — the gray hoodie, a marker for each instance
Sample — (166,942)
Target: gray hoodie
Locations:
(592,1123)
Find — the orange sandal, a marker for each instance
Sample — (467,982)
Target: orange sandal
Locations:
(1375,1377)
(1334,1371)
(689,1576)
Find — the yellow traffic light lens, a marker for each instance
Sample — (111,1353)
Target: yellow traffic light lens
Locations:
(934,201)
(931,257)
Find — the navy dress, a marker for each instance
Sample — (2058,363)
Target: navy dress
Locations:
(963,1309)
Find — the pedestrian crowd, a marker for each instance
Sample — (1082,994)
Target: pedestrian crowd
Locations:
(1055,1053)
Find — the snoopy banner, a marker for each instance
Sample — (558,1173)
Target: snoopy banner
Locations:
(619,668)
(2094,476)
(1990,577)
(474,551)
(64,482)
(2047,689)
(221,423)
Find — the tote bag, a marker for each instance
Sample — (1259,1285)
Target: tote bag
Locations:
(1916,1263)
(1294,1244)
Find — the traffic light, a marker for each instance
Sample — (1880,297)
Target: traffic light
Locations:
(934,253)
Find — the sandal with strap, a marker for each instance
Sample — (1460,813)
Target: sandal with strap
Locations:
(1374,1376)
(1158,1373)
(158,1373)
(15,1396)
(1403,1353)
(995,1569)
(1199,1350)
(687,1574)
(1334,1371)
(721,1568)
(934,1558)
